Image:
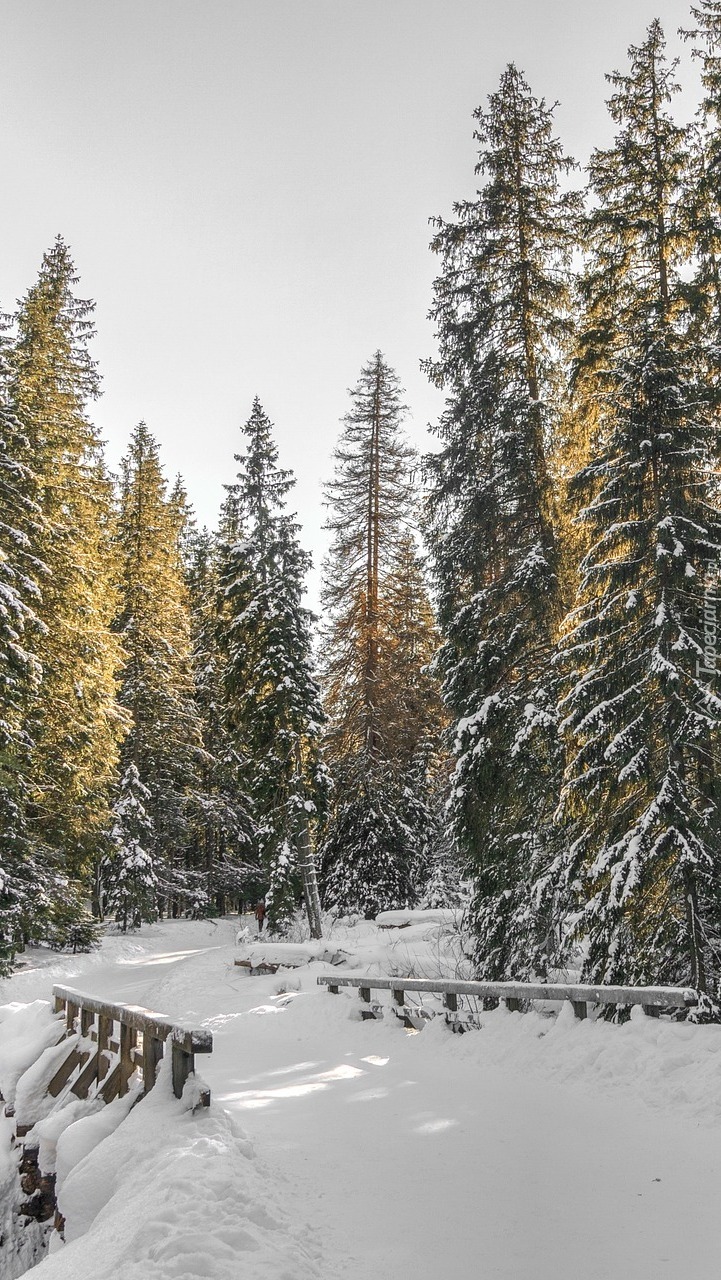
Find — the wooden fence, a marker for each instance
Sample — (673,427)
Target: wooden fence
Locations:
(114,1042)
(126,1038)
(513,994)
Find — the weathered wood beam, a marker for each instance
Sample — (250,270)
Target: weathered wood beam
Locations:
(660,997)
(192,1040)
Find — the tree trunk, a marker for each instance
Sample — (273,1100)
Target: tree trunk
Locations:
(698,969)
(306,866)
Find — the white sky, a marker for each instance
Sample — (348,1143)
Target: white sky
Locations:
(246,186)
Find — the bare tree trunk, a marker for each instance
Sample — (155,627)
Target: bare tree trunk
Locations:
(306,866)
(306,862)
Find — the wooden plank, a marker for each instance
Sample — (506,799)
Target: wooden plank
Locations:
(513,1004)
(182,1064)
(127,1064)
(152,1053)
(663,997)
(193,1040)
(111,1084)
(399,995)
(72,1013)
(64,1072)
(87,1018)
(88,1076)
(580,1009)
(450,1000)
(105,1031)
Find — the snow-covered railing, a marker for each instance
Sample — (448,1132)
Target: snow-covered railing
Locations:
(138,1042)
(514,994)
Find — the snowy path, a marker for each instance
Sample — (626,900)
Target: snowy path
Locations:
(429,1155)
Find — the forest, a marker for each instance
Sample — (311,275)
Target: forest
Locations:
(514,681)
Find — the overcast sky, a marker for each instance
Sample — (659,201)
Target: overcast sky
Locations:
(246,187)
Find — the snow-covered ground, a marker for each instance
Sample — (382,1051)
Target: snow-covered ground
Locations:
(537,1148)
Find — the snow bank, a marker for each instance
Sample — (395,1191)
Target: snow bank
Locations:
(670,1066)
(26,1031)
(402,919)
(173,1193)
(291,955)
(91,1123)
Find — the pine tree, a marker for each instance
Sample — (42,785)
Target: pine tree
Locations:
(21,882)
(157,690)
(272,703)
(77,725)
(128,875)
(224,837)
(502,309)
(383,707)
(702,203)
(641,713)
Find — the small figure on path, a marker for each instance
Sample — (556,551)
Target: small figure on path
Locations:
(260,915)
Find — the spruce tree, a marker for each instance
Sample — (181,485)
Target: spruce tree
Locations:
(77,725)
(383,708)
(157,690)
(22,884)
(642,712)
(502,308)
(272,703)
(224,833)
(128,875)
(702,202)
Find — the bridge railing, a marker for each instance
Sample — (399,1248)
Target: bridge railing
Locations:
(106,1045)
(513,994)
(126,1038)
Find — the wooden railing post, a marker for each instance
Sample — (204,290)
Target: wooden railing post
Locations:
(152,1053)
(182,1064)
(105,1031)
(127,1061)
(71,1015)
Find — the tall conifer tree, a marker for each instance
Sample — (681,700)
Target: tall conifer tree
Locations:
(164,741)
(702,205)
(272,702)
(224,836)
(377,639)
(21,880)
(642,714)
(77,725)
(502,311)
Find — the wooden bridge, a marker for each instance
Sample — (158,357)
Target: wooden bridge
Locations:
(515,995)
(109,1048)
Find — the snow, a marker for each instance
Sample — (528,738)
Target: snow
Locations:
(27,1029)
(402,919)
(289,954)
(538,1148)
